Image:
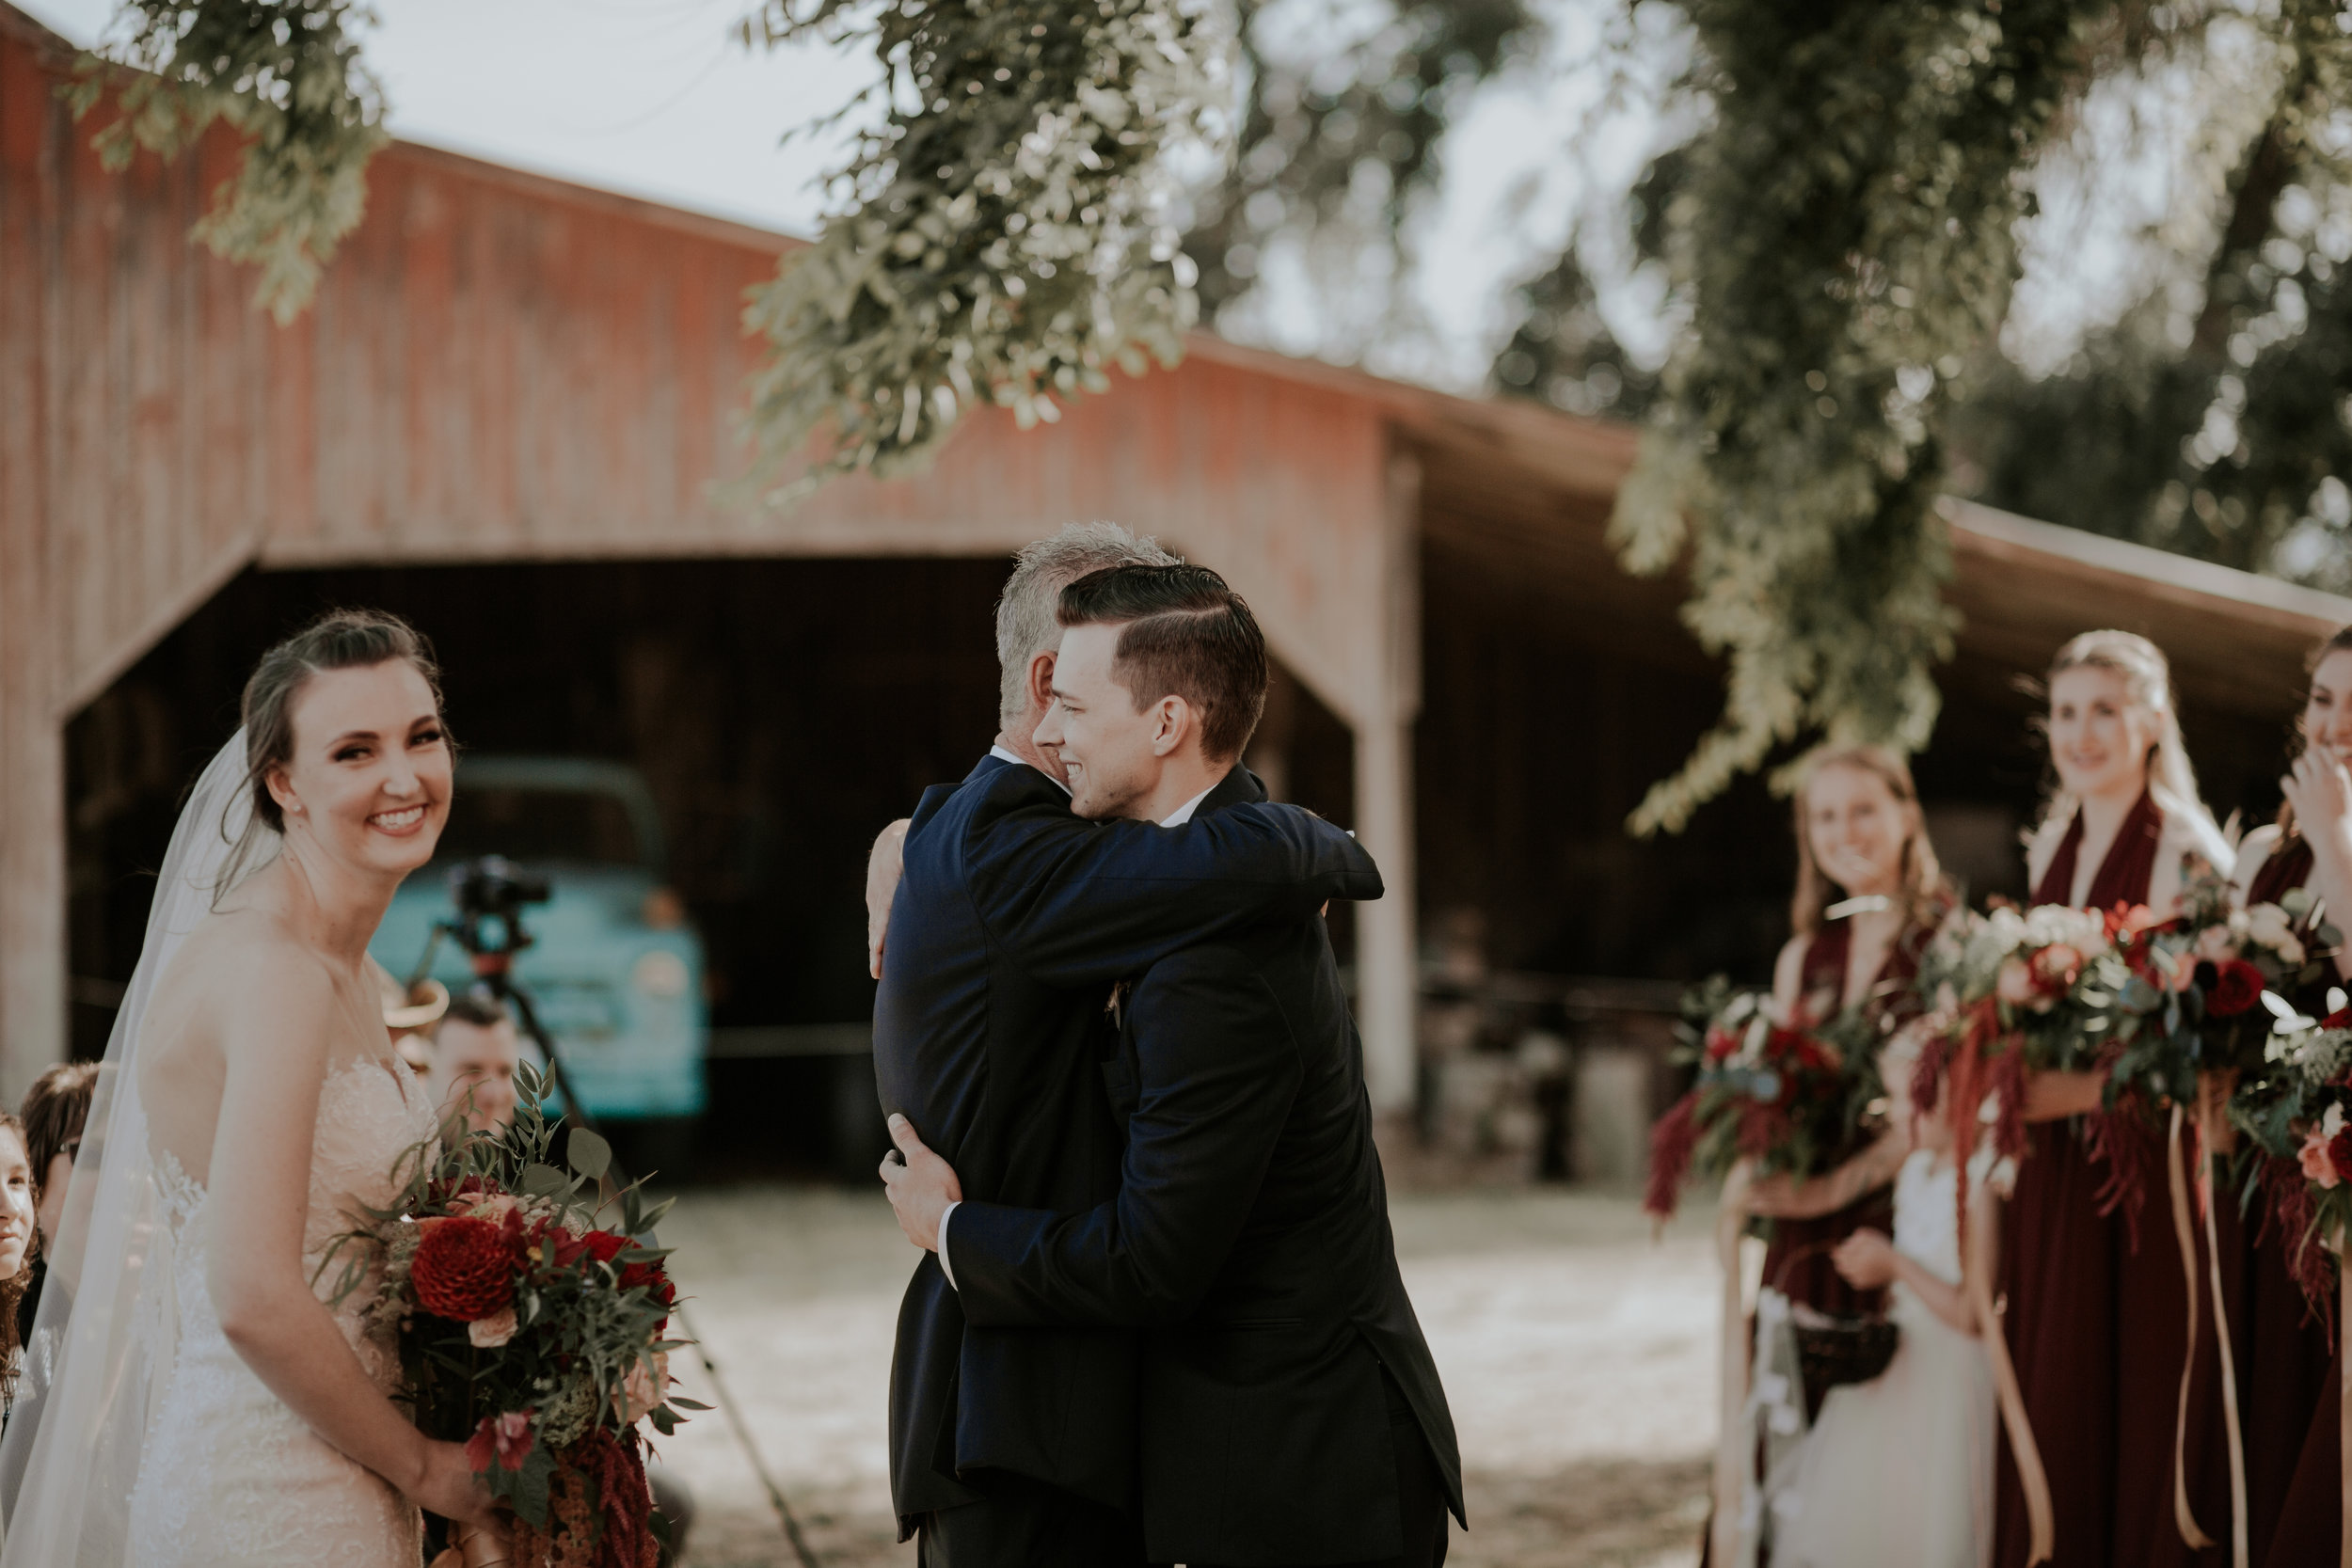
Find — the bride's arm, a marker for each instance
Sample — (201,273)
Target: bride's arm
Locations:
(275,1026)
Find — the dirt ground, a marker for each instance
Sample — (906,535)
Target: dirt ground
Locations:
(1577,1354)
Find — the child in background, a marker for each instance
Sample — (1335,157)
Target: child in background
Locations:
(474,1058)
(16,1249)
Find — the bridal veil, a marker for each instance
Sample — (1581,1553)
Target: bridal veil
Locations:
(105,1334)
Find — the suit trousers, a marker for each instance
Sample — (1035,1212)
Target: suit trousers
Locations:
(1421,1504)
(1023,1522)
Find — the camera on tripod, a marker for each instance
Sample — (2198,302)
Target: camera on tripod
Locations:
(493,891)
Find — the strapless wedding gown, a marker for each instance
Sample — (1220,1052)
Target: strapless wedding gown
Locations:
(230,1475)
(1898,1472)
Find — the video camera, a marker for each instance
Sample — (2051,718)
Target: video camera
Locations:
(493,888)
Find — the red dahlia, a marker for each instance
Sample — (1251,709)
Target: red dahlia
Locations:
(462,1270)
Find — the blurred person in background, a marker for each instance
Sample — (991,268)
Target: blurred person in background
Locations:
(471,1060)
(17,1246)
(53,1112)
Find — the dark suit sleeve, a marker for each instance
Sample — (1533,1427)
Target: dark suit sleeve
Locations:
(1219,1073)
(1076,903)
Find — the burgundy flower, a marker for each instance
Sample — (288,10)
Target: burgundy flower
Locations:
(501,1439)
(463,1269)
(2237,986)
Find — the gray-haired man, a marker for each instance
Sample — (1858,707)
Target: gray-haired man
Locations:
(1012,918)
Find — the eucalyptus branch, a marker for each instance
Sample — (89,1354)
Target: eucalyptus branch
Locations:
(1003,237)
(286,75)
(1846,241)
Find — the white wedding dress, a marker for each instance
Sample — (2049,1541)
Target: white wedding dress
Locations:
(230,1476)
(140,1438)
(1898,1472)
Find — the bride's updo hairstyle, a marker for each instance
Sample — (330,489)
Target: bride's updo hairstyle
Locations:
(2146,678)
(1922,887)
(338,640)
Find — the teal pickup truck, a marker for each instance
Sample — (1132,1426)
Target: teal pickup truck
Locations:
(616,970)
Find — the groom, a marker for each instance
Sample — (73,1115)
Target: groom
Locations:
(1014,1446)
(1290,1412)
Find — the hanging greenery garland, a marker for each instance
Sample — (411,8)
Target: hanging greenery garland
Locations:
(286,75)
(1845,236)
(1005,238)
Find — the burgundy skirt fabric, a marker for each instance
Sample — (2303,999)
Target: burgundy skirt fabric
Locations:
(2058,1273)
(2288,1401)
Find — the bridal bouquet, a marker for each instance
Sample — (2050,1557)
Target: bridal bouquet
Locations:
(528,1332)
(2217,986)
(1792,1101)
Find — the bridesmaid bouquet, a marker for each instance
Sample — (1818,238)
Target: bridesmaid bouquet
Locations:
(1792,1101)
(2012,992)
(2297,1108)
(528,1332)
(2217,989)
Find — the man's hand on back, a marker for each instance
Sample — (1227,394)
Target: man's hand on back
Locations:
(921,1185)
(883,868)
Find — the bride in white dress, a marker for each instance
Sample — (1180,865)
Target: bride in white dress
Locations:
(1898,1472)
(208,1405)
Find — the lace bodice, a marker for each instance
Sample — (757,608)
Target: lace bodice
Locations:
(229,1474)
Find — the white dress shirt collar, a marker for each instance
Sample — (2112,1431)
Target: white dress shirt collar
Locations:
(1182,813)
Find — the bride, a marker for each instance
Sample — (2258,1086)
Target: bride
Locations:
(206,1404)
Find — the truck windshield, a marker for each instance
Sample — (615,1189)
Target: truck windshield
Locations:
(537,824)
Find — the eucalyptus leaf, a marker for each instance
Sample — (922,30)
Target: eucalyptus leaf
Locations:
(589,1154)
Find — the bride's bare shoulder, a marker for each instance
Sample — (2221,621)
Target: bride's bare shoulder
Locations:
(242,981)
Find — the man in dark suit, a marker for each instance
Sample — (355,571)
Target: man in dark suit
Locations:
(1290,1411)
(1014,1446)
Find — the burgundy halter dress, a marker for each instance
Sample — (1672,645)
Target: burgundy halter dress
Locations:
(2096,1326)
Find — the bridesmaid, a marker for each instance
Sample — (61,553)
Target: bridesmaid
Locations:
(2290,1380)
(1869,894)
(2084,1304)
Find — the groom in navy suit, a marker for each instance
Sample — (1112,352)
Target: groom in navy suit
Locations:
(1015,1446)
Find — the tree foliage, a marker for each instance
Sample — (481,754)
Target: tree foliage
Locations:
(286,75)
(1845,237)
(2222,431)
(1003,236)
(1328,130)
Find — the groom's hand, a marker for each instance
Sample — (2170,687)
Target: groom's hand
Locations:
(921,1185)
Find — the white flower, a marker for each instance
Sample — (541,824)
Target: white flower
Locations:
(2269,927)
(493,1331)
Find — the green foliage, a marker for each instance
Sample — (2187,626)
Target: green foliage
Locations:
(286,75)
(1004,237)
(1563,354)
(2214,437)
(1844,237)
(1314,130)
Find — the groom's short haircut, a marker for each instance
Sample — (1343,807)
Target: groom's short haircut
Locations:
(1182,633)
(1025,627)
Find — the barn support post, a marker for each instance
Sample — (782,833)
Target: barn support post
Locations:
(1388,948)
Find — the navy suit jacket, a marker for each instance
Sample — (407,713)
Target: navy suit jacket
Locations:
(1012,921)
(1250,1242)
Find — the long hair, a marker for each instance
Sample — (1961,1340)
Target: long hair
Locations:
(1922,887)
(2146,678)
(2335,644)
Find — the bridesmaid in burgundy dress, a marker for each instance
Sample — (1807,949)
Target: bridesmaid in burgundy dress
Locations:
(2290,1382)
(2097,1327)
(1869,894)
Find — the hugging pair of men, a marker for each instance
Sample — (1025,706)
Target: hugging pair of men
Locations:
(1159,1318)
